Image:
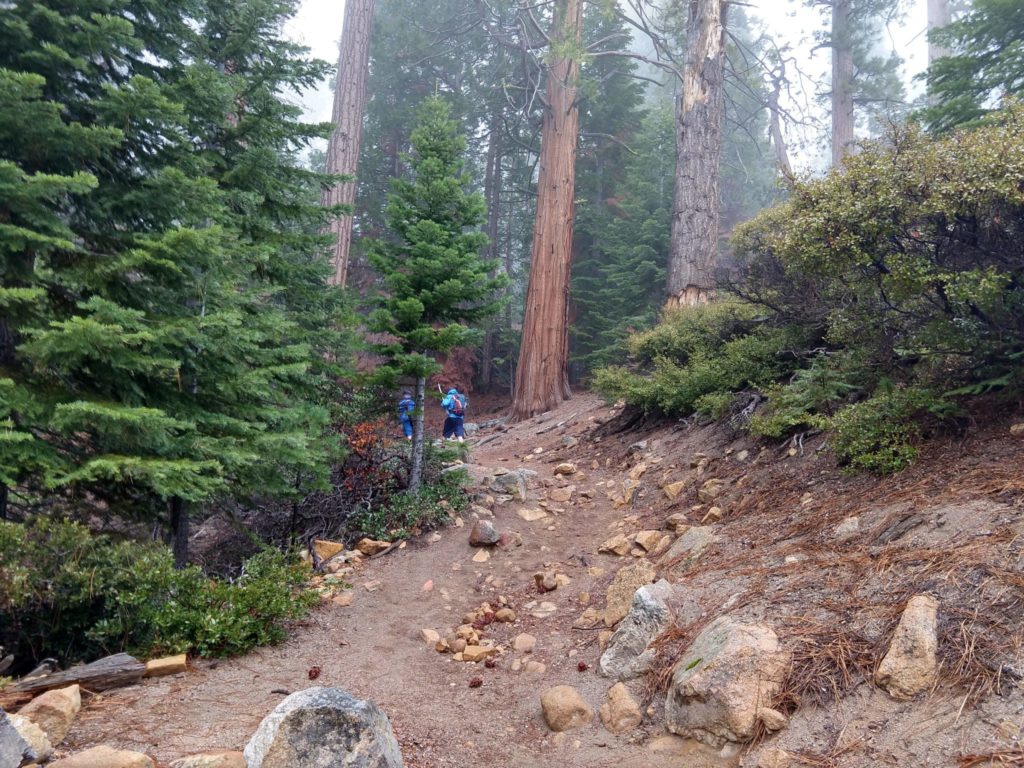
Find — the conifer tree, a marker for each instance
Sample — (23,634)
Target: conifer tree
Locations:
(436,282)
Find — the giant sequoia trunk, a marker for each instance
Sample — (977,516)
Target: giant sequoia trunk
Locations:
(542,379)
(842,82)
(349,105)
(492,195)
(694,244)
(939,15)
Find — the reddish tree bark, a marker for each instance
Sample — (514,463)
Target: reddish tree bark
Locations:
(694,238)
(542,379)
(349,106)
(843,72)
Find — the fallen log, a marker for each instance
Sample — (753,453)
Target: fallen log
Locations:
(109,672)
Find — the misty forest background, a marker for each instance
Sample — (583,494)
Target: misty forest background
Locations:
(205,317)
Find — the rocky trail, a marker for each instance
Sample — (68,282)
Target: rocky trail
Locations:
(811,569)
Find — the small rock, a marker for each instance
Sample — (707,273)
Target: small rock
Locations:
(483,534)
(698,459)
(105,757)
(603,638)
(532,515)
(742,455)
(589,619)
(545,581)
(15,749)
(1017,430)
(372,586)
(847,528)
(428,586)
(570,442)
(371,547)
(638,447)
(775,758)
(481,556)
(222,759)
(561,495)
(325,550)
(773,719)
(534,668)
(566,468)
(524,643)
(677,523)
(910,667)
(616,545)
(32,734)
(476,653)
(620,594)
(54,711)
(434,537)
(564,709)
(505,615)
(620,713)
(430,637)
(649,540)
(170,665)
(672,490)
(714,514)
(691,545)
(711,490)
(544,610)
(343,599)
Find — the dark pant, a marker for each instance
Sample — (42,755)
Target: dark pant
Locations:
(453,426)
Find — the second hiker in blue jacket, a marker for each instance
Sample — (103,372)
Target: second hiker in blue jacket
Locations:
(454,405)
(405,408)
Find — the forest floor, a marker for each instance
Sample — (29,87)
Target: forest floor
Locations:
(951,525)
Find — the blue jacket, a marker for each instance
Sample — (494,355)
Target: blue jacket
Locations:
(448,403)
(406,406)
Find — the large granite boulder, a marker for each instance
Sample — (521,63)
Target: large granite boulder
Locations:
(14,750)
(627,655)
(724,682)
(54,712)
(324,728)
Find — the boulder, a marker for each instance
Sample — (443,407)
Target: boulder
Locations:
(620,713)
(649,540)
(105,757)
(564,708)
(512,484)
(14,748)
(691,545)
(483,534)
(324,728)
(722,680)
(910,667)
(625,584)
(32,734)
(221,759)
(627,655)
(54,711)
(710,490)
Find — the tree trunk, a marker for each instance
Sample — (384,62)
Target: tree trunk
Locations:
(492,195)
(542,380)
(775,127)
(349,106)
(696,201)
(842,83)
(416,471)
(939,15)
(179,531)
(3,501)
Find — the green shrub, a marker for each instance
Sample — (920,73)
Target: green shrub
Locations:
(800,403)
(441,496)
(67,593)
(878,434)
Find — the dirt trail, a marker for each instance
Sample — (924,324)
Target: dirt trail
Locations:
(373,649)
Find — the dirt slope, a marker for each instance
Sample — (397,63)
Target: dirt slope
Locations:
(954,532)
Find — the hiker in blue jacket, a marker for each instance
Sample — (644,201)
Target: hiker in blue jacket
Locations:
(405,408)
(454,405)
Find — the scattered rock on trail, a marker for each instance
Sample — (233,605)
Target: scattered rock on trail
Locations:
(325,550)
(545,581)
(620,713)
(324,728)
(105,757)
(625,584)
(524,643)
(222,759)
(561,495)
(672,490)
(649,540)
(847,528)
(722,680)
(32,734)
(565,468)
(677,523)
(710,490)
(564,708)
(54,711)
(775,758)
(543,610)
(616,545)
(627,655)
(483,534)
(169,665)
(14,749)
(1017,430)
(370,547)
(691,545)
(430,636)
(532,515)
(513,484)
(910,666)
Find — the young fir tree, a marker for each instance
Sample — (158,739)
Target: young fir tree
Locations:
(164,347)
(436,282)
